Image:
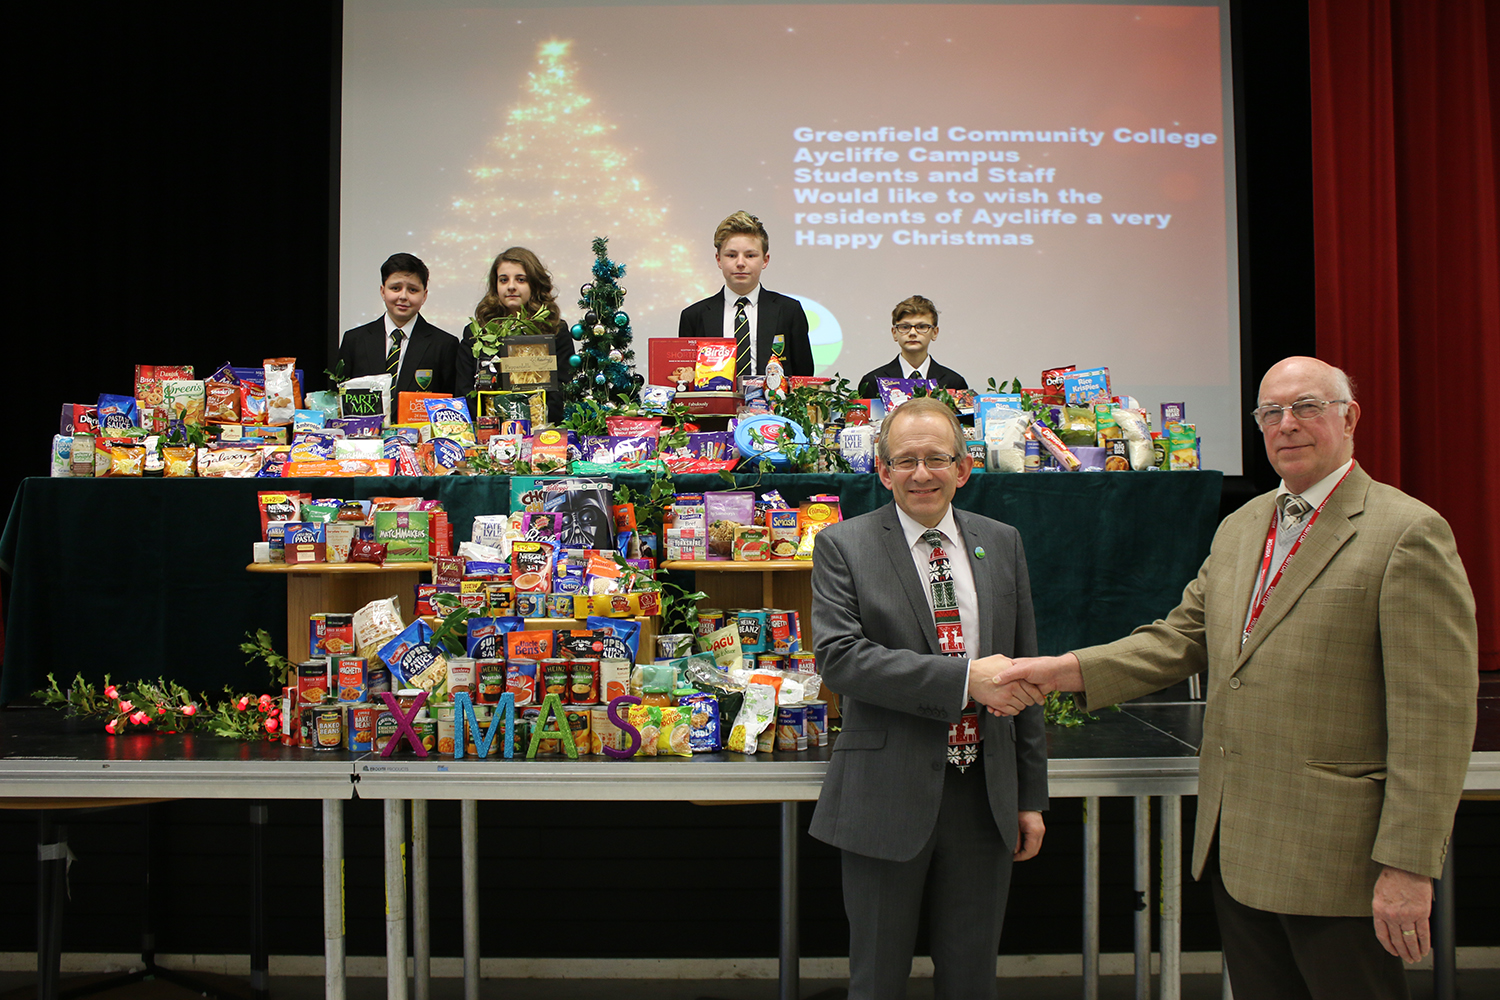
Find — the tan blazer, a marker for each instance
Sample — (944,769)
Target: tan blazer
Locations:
(1336,741)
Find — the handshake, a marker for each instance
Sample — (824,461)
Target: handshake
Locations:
(1007,687)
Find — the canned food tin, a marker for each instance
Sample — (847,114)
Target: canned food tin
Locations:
(770,661)
(614,678)
(583,678)
(817,723)
(362,726)
(351,677)
(710,620)
(328,726)
(675,645)
(755,633)
(491,681)
(791,727)
(602,731)
(426,729)
(555,677)
(803,662)
(578,720)
(521,680)
(780,624)
(445,737)
(385,730)
(532,605)
(462,676)
(559,605)
(407,697)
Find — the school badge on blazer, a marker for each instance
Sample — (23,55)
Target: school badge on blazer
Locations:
(424,378)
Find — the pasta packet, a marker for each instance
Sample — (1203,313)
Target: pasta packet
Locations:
(647,719)
(375,624)
(754,716)
(415,662)
(675,738)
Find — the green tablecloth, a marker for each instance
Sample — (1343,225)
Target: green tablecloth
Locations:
(140,578)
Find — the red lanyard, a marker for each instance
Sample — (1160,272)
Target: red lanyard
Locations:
(1265,562)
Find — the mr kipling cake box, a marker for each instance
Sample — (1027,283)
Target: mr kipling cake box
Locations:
(405,534)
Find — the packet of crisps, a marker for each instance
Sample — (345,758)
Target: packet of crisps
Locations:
(450,419)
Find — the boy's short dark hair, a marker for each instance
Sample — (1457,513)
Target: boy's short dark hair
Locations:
(403,263)
(914,306)
(741,224)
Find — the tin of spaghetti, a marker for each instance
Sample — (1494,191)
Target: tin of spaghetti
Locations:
(351,677)
(362,726)
(328,726)
(583,682)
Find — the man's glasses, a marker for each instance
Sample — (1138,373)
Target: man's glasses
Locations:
(1303,409)
(919,327)
(934,463)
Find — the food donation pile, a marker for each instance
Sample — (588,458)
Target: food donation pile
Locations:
(257,423)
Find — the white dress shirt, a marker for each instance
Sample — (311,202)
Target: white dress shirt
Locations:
(1286,536)
(752,313)
(909,372)
(963,576)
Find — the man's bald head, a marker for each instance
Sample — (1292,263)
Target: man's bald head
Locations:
(1305,451)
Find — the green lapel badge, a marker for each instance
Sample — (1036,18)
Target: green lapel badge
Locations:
(979,552)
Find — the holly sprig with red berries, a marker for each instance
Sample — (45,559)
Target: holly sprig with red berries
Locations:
(160,705)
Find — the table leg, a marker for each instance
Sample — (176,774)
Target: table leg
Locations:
(395,899)
(51,875)
(1444,928)
(260,957)
(1171,897)
(469,847)
(791,953)
(1142,897)
(421,932)
(1091,897)
(335,984)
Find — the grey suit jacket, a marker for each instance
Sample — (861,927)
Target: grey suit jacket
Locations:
(877,646)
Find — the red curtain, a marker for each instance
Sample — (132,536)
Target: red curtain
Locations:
(1407,259)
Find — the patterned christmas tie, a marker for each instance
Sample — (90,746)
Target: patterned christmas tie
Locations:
(742,369)
(963,735)
(393,356)
(1292,509)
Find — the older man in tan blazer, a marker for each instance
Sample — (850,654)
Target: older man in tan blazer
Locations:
(1337,626)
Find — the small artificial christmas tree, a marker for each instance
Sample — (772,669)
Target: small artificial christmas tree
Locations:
(602,368)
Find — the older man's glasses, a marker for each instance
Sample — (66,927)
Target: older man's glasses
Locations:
(934,463)
(1270,415)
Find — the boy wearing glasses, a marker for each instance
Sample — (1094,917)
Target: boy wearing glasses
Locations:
(914,328)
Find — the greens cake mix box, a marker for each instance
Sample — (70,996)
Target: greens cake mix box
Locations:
(405,534)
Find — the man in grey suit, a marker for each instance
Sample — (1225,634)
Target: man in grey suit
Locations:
(927,793)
